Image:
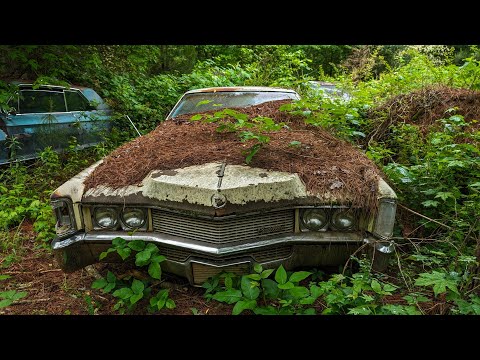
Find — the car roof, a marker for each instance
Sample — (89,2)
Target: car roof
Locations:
(29,83)
(240,88)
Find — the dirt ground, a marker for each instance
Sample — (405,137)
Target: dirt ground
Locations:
(53,292)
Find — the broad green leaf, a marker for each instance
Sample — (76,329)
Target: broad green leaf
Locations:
(19,295)
(124,252)
(430,203)
(157,258)
(228,282)
(268,310)
(309,311)
(249,289)
(119,242)
(99,283)
(170,304)
(360,310)
(103,255)
(444,195)
(316,291)
(123,293)
(389,287)
(142,258)
(299,276)
(5,303)
(401,310)
(137,286)
(154,270)
(309,300)
(266,273)
(203,102)
(376,286)
(7,294)
(270,288)
(258,268)
(244,305)
(111,278)
(295,143)
(439,282)
(254,276)
(5,277)
(286,286)
(135,297)
(229,296)
(281,275)
(137,245)
(160,303)
(299,292)
(196,117)
(109,287)
(151,248)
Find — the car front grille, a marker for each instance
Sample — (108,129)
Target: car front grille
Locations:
(202,272)
(260,256)
(227,230)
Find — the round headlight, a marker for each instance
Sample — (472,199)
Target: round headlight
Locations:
(105,217)
(343,219)
(315,219)
(133,217)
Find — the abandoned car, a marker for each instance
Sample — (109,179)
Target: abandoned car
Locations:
(50,115)
(305,199)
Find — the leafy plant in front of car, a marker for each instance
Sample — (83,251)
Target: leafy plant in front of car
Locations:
(289,293)
(128,289)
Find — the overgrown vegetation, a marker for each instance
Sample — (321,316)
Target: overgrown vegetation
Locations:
(434,169)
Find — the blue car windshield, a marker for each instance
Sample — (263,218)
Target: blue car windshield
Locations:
(206,101)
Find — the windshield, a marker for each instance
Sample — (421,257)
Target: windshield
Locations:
(206,101)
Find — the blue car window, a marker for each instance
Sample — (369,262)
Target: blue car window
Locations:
(41,101)
(76,101)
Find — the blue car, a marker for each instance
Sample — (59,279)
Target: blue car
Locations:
(51,115)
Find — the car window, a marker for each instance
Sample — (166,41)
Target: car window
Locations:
(41,101)
(76,101)
(206,101)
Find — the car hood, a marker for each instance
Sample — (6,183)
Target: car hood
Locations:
(212,188)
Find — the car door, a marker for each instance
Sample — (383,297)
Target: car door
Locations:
(89,125)
(40,120)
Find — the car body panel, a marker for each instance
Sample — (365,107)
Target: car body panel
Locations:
(34,131)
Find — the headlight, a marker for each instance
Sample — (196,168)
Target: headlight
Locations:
(105,217)
(315,219)
(133,217)
(65,220)
(343,219)
(385,218)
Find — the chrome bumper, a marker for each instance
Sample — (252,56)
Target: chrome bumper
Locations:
(307,249)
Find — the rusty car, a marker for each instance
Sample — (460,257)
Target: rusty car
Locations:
(39,116)
(209,211)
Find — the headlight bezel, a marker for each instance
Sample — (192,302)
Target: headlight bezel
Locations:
(337,212)
(384,222)
(57,205)
(97,225)
(305,211)
(143,218)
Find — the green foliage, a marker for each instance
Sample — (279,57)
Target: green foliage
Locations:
(248,130)
(129,290)
(7,298)
(289,293)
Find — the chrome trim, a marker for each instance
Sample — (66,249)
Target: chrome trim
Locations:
(206,248)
